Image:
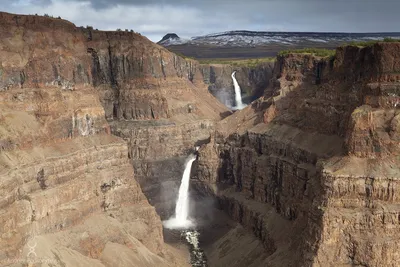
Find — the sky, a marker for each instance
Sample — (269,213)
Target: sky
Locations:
(188,18)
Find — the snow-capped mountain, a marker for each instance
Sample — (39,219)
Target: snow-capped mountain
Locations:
(172,39)
(252,38)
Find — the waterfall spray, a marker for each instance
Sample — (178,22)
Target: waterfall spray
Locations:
(182,205)
(238,94)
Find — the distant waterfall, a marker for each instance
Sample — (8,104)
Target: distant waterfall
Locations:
(238,94)
(182,206)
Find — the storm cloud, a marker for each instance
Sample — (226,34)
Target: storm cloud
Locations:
(187,18)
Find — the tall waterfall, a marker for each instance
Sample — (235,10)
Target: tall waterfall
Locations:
(238,94)
(182,205)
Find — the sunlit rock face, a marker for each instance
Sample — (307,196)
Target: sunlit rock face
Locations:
(64,178)
(312,168)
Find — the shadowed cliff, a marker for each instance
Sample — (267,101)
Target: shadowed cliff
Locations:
(311,168)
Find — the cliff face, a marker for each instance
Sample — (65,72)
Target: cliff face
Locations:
(312,168)
(156,101)
(136,79)
(252,80)
(133,76)
(65,180)
(158,155)
(67,184)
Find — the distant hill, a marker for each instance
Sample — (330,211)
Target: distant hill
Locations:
(170,39)
(250,44)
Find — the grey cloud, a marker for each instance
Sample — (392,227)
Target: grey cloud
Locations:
(187,18)
(192,3)
(103,4)
(42,2)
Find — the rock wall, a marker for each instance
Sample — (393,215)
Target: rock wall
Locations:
(157,102)
(63,172)
(67,184)
(158,155)
(252,80)
(136,77)
(312,168)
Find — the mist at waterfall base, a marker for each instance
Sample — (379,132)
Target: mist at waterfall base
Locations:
(238,94)
(180,219)
(225,96)
(181,222)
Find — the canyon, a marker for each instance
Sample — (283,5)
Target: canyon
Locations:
(75,104)
(95,127)
(312,167)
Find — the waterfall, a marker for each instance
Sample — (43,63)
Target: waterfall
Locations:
(182,205)
(238,94)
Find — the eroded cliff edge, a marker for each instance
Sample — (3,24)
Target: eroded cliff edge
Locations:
(312,168)
(67,184)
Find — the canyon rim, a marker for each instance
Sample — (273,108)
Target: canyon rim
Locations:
(95,127)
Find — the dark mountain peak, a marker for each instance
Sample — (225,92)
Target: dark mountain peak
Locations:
(168,37)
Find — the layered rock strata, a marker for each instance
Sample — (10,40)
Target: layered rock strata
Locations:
(67,184)
(312,168)
(157,102)
(158,155)
(253,80)
(65,180)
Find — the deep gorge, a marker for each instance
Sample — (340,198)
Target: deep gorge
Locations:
(95,128)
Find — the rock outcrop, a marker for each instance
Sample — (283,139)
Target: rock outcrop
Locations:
(312,168)
(67,184)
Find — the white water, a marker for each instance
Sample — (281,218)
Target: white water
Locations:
(238,94)
(182,205)
(197,257)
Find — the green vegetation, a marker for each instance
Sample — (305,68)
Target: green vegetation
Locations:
(183,56)
(363,43)
(319,52)
(236,62)
(372,42)
(391,40)
(250,63)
